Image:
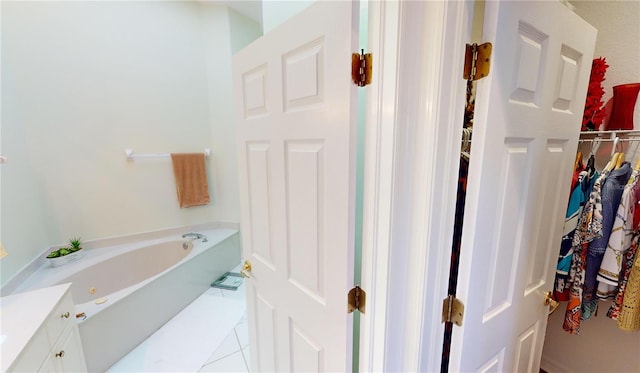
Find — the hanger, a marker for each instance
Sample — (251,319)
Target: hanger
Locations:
(466,143)
(591,162)
(578,161)
(614,156)
(637,167)
(612,162)
(595,145)
(615,145)
(620,158)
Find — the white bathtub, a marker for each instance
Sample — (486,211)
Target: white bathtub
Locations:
(145,284)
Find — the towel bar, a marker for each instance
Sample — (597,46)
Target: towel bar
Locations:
(131,156)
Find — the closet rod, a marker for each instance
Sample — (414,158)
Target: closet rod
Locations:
(607,140)
(612,134)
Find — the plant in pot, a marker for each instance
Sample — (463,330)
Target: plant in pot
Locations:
(66,254)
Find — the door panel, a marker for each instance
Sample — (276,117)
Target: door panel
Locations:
(526,128)
(525,349)
(306,352)
(305,211)
(295,123)
(304,76)
(264,351)
(254,89)
(259,201)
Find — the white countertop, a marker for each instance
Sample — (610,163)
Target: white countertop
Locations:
(21,315)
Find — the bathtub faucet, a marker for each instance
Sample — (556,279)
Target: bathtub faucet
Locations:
(196,236)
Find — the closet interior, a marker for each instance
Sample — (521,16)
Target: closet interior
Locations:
(594,338)
(597,324)
(588,335)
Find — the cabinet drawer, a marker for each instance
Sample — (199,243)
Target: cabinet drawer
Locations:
(59,318)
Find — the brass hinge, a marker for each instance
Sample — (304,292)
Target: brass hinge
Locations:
(361,68)
(356,300)
(452,310)
(477,61)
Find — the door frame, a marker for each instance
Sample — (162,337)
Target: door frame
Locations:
(414,127)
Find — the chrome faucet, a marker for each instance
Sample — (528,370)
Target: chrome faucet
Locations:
(196,236)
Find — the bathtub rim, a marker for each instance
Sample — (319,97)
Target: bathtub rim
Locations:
(62,276)
(13,285)
(91,309)
(59,275)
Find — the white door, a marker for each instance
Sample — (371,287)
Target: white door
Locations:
(526,128)
(295,121)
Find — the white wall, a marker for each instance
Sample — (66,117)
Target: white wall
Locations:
(602,347)
(243,30)
(23,229)
(274,12)
(82,81)
(618,24)
(225,31)
(217,52)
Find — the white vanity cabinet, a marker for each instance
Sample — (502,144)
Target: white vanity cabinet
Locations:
(39,332)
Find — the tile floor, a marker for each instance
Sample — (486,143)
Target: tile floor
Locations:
(209,335)
(232,355)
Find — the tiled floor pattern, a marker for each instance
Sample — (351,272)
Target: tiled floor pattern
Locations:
(209,335)
(232,355)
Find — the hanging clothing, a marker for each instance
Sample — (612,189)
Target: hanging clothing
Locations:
(627,265)
(573,314)
(609,200)
(584,234)
(619,242)
(463,173)
(591,226)
(579,167)
(629,318)
(574,211)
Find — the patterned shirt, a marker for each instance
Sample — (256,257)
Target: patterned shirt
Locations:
(574,211)
(619,241)
(608,204)
(585,233)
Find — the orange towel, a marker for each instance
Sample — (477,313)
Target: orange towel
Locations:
(191,179)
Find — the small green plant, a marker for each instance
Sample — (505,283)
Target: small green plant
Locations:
(74,245)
